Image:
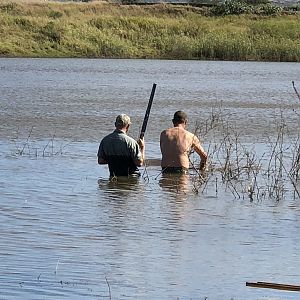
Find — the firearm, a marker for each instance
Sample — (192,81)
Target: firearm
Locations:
(145,122)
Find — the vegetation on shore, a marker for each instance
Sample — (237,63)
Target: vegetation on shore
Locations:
(101,29)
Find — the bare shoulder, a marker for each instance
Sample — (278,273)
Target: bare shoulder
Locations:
(163,133)
(166,132)
(192,137)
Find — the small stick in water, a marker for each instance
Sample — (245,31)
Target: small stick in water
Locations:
(296,90)
(271,285)
(108,288)
(56,267)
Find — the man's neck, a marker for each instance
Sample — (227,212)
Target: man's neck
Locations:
(181,125)
(122,130)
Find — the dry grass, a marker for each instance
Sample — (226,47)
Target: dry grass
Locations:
(101,29)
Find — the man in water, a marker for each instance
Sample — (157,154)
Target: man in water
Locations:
(176,144)
(122,153)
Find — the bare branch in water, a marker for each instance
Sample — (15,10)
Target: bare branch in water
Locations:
(26,143)
(296,90)
(56,269)
(108,288)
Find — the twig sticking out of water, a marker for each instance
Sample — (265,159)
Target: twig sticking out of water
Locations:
(31,148)
(293,182)
(108,287)
(56,267)
(50,141)
(295,90)
(296,162)
(276,165)
(145,174)
(26,143)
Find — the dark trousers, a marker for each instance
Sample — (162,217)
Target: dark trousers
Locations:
(175,170)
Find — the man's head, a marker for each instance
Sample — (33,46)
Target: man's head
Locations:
(122,121)
(180,117)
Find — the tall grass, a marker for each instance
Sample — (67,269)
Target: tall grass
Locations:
(54,29)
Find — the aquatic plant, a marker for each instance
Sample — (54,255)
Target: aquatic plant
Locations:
(247,170)
(31,148)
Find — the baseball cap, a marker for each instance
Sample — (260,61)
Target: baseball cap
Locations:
(122,120)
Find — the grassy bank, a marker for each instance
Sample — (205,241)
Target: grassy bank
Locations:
(52,29)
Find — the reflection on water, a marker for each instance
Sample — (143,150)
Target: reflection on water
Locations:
(119,187)
(67,231)
(177,183)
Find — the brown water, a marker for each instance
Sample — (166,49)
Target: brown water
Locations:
(68,233)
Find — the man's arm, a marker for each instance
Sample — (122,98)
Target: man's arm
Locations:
(140,161)
(200,151)
(101,161)
(101,155)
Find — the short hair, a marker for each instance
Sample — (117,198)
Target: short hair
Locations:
(122,120)
(179,117)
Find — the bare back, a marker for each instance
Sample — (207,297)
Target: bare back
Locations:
(176,144)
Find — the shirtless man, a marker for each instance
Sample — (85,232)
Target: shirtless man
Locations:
(176,144)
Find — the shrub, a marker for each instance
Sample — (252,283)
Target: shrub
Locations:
(268,9)
(231,8)
(52,32)
(295,7)
(55,14)
(24,23)
(257,2)
(8,7)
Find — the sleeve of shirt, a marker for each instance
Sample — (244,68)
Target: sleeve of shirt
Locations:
(101,153)
(136,153)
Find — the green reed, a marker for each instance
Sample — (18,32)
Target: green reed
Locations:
(157,31)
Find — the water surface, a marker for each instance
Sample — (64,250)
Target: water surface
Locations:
(69,233)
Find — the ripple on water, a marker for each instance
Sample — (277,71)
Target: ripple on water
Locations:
(68,232)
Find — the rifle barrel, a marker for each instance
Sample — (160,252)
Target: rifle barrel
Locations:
(145,122)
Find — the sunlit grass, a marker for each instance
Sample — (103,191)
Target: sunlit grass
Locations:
(156,31)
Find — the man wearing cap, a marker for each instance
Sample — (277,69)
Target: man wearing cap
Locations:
(176,144)
(122,153)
